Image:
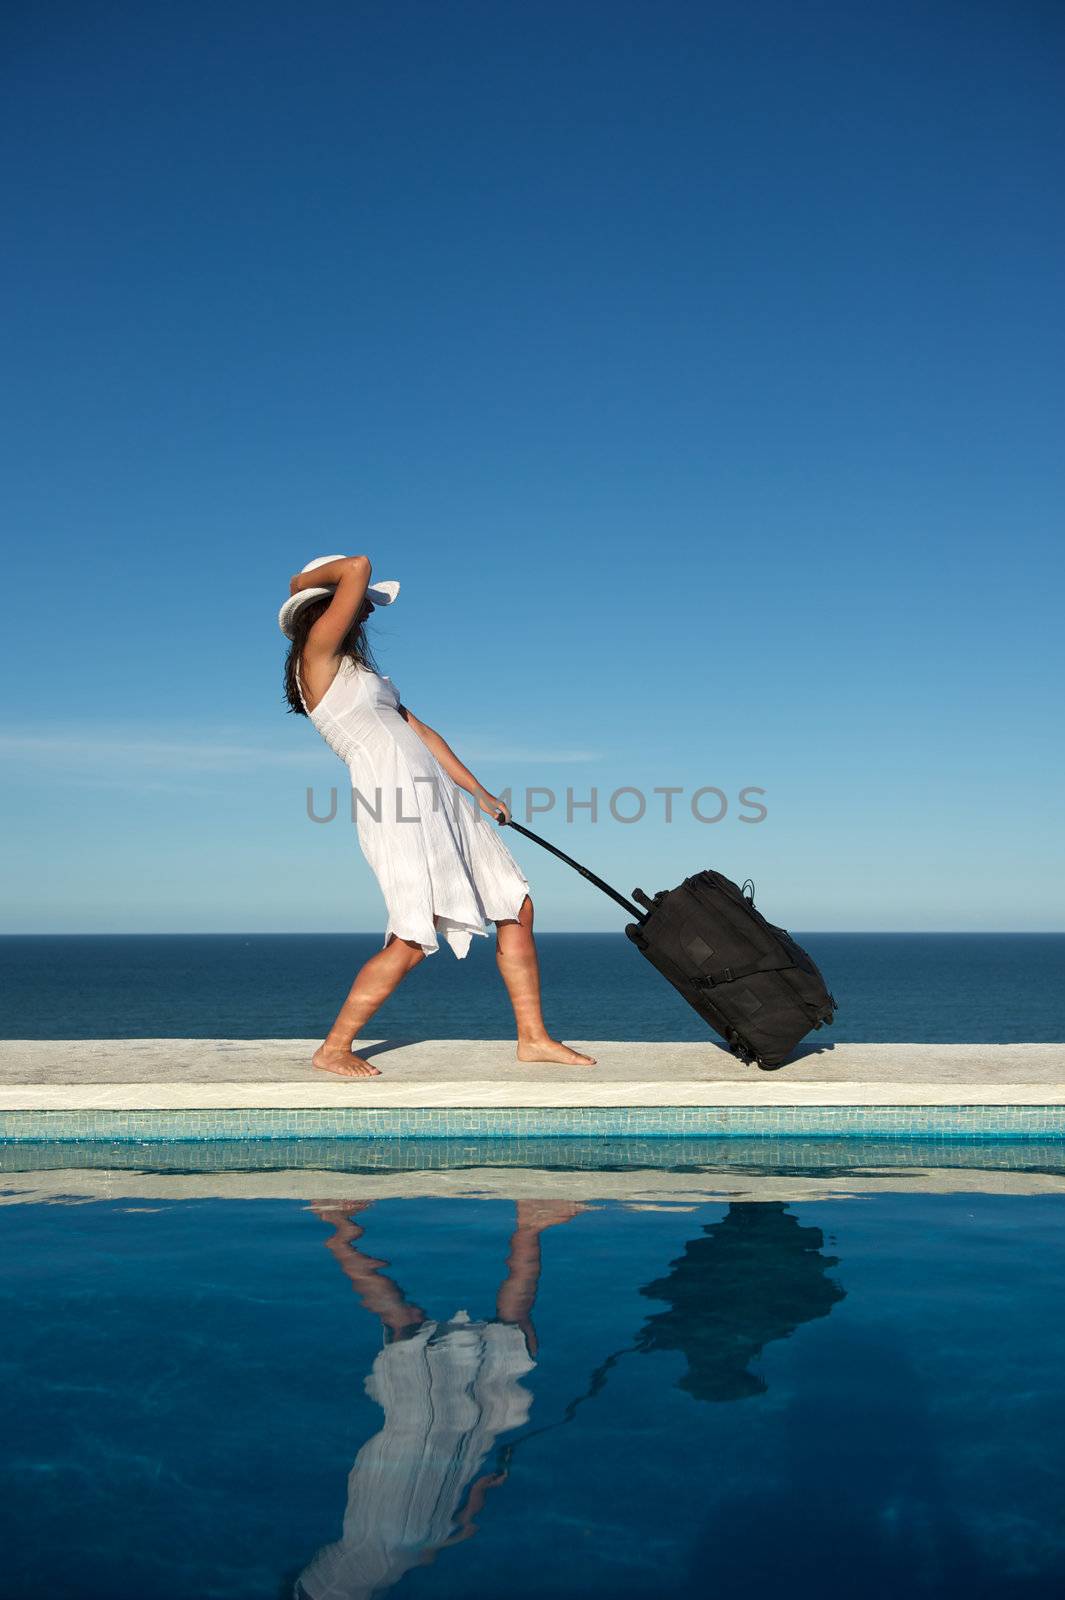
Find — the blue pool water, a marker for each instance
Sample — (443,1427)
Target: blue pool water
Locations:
(811,1397)
(934,988)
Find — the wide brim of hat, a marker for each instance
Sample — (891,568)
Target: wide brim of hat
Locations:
(379,594)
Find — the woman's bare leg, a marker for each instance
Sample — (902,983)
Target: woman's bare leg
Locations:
(517,1292)
(380,976)
(377,1292)
(517,961)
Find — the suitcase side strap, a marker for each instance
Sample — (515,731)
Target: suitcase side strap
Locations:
(770,963)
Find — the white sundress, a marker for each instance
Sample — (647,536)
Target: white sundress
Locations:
(438,860)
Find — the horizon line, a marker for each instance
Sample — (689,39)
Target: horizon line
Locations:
(345,933)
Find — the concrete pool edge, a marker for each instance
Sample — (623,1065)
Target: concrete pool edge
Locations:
(180,1089)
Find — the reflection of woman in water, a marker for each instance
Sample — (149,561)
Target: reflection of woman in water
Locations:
(448,1389)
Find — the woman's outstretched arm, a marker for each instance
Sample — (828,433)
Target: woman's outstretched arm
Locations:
(439,747)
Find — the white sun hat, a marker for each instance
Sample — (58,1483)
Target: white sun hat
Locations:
(379,594)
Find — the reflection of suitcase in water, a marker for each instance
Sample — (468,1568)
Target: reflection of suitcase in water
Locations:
(747,978)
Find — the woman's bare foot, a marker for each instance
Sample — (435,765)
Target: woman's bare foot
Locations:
(536,1215)
(343,1063)
(547,1049)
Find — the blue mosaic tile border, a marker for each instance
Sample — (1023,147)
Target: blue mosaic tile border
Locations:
(779,1156)
(622,1122)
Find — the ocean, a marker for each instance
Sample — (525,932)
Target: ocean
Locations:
(985,988)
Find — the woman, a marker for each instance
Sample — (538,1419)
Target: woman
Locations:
(439,863)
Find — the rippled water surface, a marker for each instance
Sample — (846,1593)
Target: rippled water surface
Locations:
(354,1396)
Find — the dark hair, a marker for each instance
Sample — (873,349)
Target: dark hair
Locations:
(354,645)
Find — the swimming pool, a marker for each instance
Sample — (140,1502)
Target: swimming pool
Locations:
(720,1381)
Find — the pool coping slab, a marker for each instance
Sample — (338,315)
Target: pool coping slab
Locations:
(267,1088)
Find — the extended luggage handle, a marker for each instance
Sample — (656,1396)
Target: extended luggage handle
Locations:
(585,872)
(649,901)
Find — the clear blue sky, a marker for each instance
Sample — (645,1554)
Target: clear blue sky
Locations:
(697,368)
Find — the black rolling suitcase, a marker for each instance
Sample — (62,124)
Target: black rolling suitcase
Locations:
(747,978)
